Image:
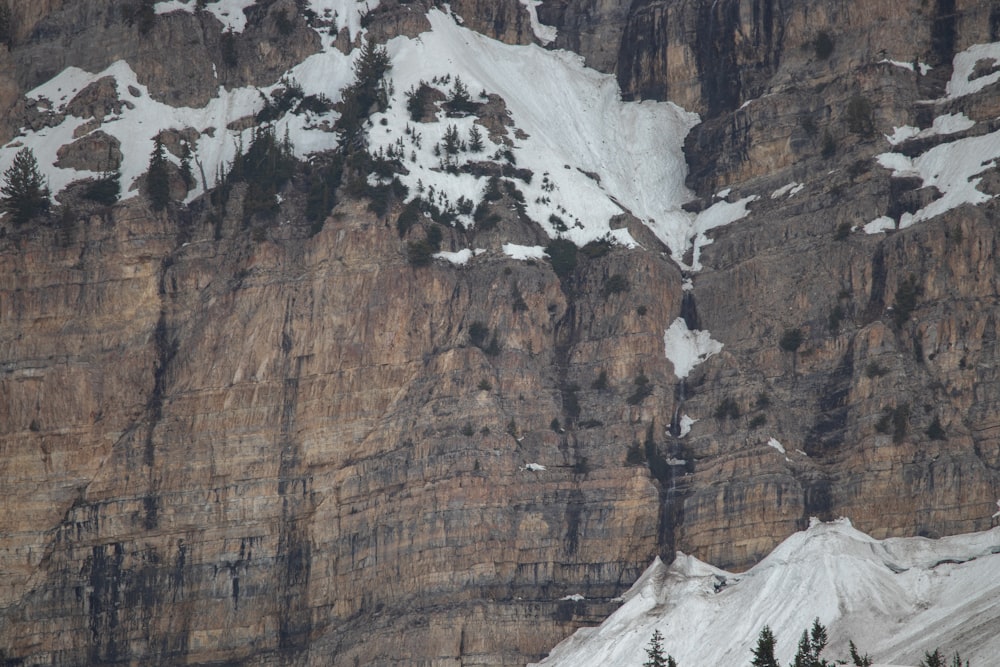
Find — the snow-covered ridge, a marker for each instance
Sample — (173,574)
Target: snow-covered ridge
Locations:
(895,598)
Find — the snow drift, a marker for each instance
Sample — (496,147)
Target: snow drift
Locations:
(895,598)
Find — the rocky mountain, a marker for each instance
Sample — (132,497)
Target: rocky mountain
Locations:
(421,346)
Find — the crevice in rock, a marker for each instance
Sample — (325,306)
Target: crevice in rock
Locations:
(294,556)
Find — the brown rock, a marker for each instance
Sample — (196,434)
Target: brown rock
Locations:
(97,151)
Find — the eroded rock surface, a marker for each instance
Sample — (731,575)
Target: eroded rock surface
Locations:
(288,446)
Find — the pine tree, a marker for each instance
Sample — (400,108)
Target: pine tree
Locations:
(460,101)
(23,193)
(186,173)
(475,140)
(956,661)
(158,177)
(935,659)
(811,644)
(451,140)
(858,659)
(655,655)
(763,654)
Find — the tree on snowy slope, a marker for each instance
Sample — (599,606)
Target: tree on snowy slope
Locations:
(358,98)
(655,653)
(23,193)
(811,645)
(158,177)
(763,653)
(857,659)
(937,659)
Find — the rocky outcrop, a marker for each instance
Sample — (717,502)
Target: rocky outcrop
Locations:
(94,35)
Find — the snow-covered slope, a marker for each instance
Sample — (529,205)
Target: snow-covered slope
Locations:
(896,598)
(590,155)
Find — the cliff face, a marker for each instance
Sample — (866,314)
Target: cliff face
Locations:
(283,446)
(308,442)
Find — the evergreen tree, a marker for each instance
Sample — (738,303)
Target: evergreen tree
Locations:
(811,645)
(186,173)
(23,193)
(451,140)
(956,661)
(857,659)
(106,189)
(654,653)
(358,98)
(158,177)
(371,66)
(763,654)
(475,140)
(460,102)
(935,659)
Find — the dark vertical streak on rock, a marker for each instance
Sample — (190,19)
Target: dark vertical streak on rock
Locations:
(294,555)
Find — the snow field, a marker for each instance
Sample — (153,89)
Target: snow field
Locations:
(575,124)
(895,598)
(591,156)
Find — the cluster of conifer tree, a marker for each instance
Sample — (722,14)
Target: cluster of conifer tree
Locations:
(811,644)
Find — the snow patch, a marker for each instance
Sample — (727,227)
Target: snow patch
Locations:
(635,147)
(686,349)
(524,252)
(686,423)
(879,225)
(576,597)
(963,80)
(229,12)
(143,118)
(924,67)
(777,445)
(943,125)
(790,189)
(954,168)
(718,214)
(545,34)
(347,14)
(459,258)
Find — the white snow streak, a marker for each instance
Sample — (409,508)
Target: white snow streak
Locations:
(545,33)
(686,349)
